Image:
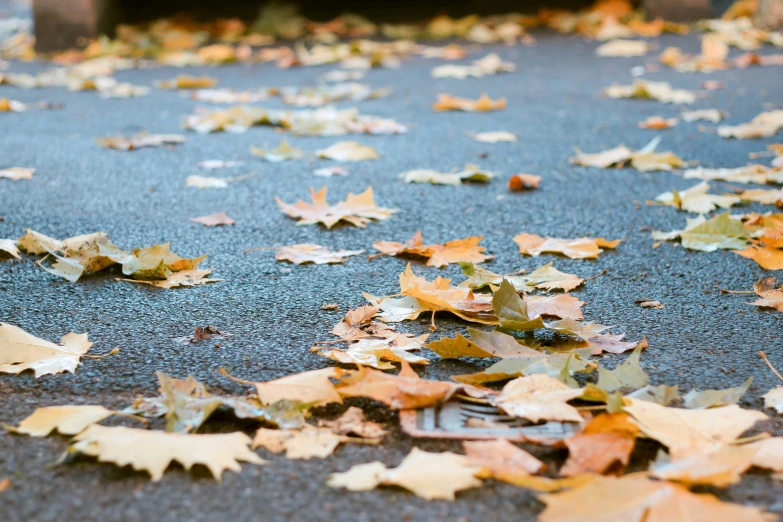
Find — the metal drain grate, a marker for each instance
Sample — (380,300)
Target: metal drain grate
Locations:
(467,418)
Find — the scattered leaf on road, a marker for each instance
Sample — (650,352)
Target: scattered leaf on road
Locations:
(310,253)
(357,210)
(214,220)
(20,351)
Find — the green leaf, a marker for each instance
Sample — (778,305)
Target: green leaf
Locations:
(511,310)
(662,394)
(627,375)
(552,365)
(479,278)
(714,398)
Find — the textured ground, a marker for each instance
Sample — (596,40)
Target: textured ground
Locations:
(273,311)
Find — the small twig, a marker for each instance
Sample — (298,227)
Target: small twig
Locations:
(752,438)
(597,275)
(131,416)
(737,292)
(591,408)
(223,371)
(259,249)
(764,356)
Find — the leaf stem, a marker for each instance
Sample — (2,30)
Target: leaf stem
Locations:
(764,356)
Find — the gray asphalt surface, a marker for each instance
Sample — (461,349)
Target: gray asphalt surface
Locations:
(272,310)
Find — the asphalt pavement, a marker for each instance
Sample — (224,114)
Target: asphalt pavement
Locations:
(272,311)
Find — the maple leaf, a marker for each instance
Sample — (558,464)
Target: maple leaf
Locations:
(545,277)
(556,365)
(636,498)
(68,420)
(688,431)
(623,48)
(501,460)
(713,115)
(563,306)
(609,343)
(484,103)
(202,182)
(713,398)
(153,451)
(481,344)
(660,91)
(768,258)
(617,156)
(371,351)
(494,136)
(709,235)
(762,126)
(539,397)
(627,375)
(769,454)
(774,399)
(348,151)
(140,141)
(428,475)
(471,173)
(231,96)
(319,96)
(328,172)
(747,174)
(661,394)
(183,81)
(284,152)
(7,105)
(16,173)
(352,422)
(581,248)
(214,220)
(602,453)
(304,443)
(696,199)
(406,391)
(186,278)
(310,253)
(519,182)
(20,351)
(9,247)
(512,311)
(457,251)
(312,387)
(357,210)
(720,468)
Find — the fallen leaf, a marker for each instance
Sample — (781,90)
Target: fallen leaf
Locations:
(140,141)
(312,387)
(603,453)
(501,460)
(328,172)
(357,210)
(658,123)
(523,182)
(16,173)
(304,443)
(352,422)
(582,248)
(637,498)
(348,151)
(5,483)
(153,451)
(7,105)
(9,247)
(447,102)
(202,182)
(493,136)
(20,351)
(186,278)
(646,303)
(774,399)
(218,164)
(183,81)
(768,258)
(708,235)
(457,251)
(686,432)
(747,174)
(428,475)
(481,344)
(623,48)
(539,397)
(769,454)
(764,125)
(660,91)
(310,253)
(324,94)
(598,344)
(545,277)
(284,152)
(471,173)
(715,398)
(512,311)
(628,375)
(720,468)
(373,351)
(696,199)
(406,391)
(491,64)
(231,96)
(68,420)
(213,220)
(605,159)
(713,115)
(556,365)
